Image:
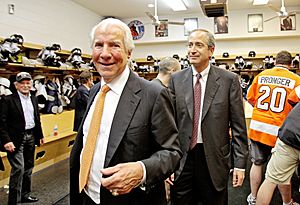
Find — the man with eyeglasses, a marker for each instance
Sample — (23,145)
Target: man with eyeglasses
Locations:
(208,103)
(20,131)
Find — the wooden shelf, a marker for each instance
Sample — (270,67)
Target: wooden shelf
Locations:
(32,46)
(15,67)
(252,36)
(148,76)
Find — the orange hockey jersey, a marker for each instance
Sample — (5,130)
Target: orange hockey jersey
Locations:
(294,97)
(268,95)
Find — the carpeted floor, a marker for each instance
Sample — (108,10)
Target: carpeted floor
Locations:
(51,185)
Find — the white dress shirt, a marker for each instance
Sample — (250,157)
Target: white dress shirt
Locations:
(110,105)
(27,110)
(203,80)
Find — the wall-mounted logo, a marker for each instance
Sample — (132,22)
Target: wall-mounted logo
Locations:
(137,29)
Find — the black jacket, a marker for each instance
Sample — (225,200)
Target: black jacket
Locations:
(12,121)
(81,99)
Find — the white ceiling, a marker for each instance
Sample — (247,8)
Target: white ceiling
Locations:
(137,8)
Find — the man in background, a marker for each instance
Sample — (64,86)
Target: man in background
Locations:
(208,102)
(167,66)
(82,96)
(20,131)
(268,94)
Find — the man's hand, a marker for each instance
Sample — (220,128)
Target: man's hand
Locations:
(42,141)
(10,147)
(238,177)
(170,179)
(122,177)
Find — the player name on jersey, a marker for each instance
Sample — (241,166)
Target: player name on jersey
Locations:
(275,80)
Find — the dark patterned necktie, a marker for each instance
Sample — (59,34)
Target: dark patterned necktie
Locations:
(196,114)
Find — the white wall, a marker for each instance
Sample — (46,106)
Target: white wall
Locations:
(46,22)
(237,42)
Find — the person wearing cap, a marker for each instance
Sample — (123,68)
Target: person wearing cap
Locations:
(20,131)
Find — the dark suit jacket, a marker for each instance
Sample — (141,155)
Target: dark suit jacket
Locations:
(158,82)
(222,108)
(81,99)
(143,129)
(12,121)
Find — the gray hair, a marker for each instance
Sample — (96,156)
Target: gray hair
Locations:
(106,23)
(167,64)
(211,42)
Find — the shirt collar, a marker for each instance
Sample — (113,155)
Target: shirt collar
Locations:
(204,73)
(24,96)
(117,85)
(281,67)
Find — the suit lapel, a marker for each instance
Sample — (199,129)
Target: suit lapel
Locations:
(212,86)
(127,105)
(17,101)
(187,84)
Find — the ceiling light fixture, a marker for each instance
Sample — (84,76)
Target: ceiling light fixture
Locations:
(150,5)
(176,5)
(260,2)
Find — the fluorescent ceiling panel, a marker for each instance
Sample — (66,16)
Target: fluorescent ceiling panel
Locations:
(260,2)
(176,5)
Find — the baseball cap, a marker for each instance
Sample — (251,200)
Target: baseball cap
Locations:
(23,76)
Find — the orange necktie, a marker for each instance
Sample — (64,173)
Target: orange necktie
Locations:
(88,150)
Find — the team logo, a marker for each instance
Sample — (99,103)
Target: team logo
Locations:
(137,29)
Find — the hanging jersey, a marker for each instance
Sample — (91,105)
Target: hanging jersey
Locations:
(269,96)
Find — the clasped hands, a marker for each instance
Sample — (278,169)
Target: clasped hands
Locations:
(122,177)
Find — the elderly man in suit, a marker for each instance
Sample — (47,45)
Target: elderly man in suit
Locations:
(123,157)
(20,131)
(208,102)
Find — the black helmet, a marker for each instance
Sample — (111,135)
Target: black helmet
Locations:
(176,56)
(252,54)
(225,55)
(150,58)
